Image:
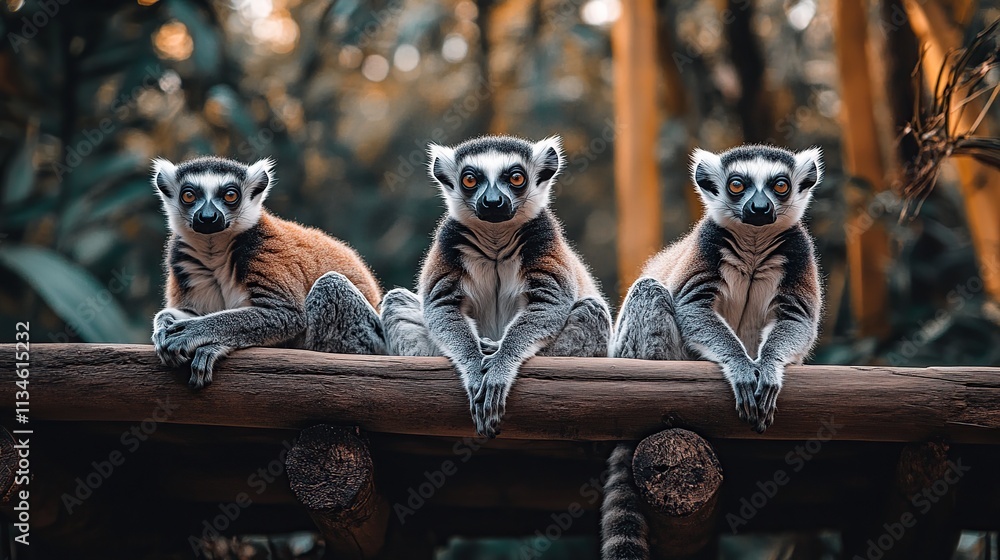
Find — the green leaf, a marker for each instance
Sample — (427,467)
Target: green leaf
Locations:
(73,293)
(21,173)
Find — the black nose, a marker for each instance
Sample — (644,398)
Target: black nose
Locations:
(492,200)
(209,221)
(758,211)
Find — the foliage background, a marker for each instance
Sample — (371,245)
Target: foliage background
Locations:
(346,95)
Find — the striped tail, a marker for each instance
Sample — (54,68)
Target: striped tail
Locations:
(623,528)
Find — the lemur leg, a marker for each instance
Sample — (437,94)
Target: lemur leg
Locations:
(647,325)
(340,320)
(406,332)
(623,527)
(161,321)
(586,334)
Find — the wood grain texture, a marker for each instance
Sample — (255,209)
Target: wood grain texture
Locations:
(330,471)
(679,476)
(591,399)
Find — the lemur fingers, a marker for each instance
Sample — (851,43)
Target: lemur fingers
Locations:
(766,395)
(203,364)
(161,322)
(586,334)
(490,401)
(340,320)
(743,380)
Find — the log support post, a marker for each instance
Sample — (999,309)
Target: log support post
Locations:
(678,476)
(330,471)
(915,522)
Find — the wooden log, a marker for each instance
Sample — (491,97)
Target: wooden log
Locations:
(331,473)
(637,181)
(916,521)
(678,476)
(8,467)
(554,398)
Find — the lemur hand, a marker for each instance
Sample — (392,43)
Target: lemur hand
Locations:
(489,403)
(743,377)
(766,392)
(161,322)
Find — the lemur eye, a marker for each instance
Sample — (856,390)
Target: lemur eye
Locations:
(469,180)
(188,196)
(781,186)
(736,186)
(517,178)
(231,196)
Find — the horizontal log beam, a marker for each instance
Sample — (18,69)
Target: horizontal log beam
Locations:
(553,399)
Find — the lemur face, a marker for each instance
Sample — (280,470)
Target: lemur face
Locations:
(209,195)
(757,185)
(496,178)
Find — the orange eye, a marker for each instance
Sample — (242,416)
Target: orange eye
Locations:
(231,196)
(469,181)
(736,186)
(188,196)
(781,186)
(517,178)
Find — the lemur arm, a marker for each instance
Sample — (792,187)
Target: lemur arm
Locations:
(794,330)
(450,329)
(269,320)
(550,300)
(705,332)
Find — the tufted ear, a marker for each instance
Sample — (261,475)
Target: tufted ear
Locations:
(707,171)
(442,165)
(808,168)
(165,178)
(260,179)
(547,155)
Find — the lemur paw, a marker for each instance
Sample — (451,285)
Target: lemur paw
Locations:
(744,382)
(178,342)
(490,401)
(766,397)
(164,320)
(203,363)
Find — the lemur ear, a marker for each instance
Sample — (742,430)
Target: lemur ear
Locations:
(260,178)
(808,168)
(164,177)
(442,165)
(706,171)
(548,157)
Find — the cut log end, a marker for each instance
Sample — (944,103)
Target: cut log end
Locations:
(677,472)
(8,465)
(330,470)
(679,476)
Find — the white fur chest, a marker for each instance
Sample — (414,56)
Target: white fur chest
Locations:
(495,292)
(750,282)
(211,281)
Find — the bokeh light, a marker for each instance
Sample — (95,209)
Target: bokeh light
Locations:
(173,42)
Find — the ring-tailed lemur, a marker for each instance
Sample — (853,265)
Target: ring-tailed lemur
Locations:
(742,290)
(238,276)
(500,283)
